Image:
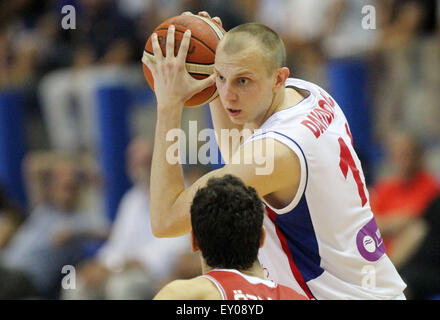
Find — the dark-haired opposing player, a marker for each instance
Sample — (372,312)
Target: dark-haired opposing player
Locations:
(227,228)
(322,239)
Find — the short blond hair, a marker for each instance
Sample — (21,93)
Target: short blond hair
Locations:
(270,43)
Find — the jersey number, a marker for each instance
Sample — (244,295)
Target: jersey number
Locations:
(347,162)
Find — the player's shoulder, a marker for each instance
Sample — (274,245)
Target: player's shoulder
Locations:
(199,288)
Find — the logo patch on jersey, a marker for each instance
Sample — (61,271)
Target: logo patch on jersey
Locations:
(369,242)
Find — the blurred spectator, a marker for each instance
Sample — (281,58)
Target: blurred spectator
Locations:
(11,216)
(37,167)
(421,272)
(405,20)
(102,47)
(230,12)
(105,29)
(132,262)
(13,284)
(52,50)
(68,100)
(406,80)
(17,59)
(301,24)
(53,235)
(30,42)
(345,35)
(399,201)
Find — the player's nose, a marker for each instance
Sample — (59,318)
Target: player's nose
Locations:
(228,93)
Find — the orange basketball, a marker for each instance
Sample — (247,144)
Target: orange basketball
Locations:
(205,35)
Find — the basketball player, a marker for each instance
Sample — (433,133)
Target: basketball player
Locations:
(322,239)
(227,228)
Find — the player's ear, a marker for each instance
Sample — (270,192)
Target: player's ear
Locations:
(194,244)
(263,236)
(280,77)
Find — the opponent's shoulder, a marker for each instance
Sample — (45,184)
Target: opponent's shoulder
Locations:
(198,288)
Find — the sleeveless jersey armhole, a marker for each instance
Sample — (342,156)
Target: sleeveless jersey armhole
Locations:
(292,145)
(217,285)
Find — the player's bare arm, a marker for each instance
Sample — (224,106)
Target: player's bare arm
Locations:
(193,289)
(173,86)
(170,212)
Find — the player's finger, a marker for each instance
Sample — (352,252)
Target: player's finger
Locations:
(204,14)
(150,63)
(187,13)
(184,45)
(148,60)
(205,83)
(170,42)
(156,48)
(218,21)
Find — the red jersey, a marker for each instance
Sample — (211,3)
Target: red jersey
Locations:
(395,196)
(234,285)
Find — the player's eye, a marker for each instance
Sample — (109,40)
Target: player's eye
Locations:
(243,81)
(220,77)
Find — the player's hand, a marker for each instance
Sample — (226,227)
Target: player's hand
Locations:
(173,85)
(205,14)
(216,102)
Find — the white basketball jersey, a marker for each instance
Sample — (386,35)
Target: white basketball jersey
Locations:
(325,243)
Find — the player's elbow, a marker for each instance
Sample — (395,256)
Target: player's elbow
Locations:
(157,222)
(169,222)
(164,228)
(159,231)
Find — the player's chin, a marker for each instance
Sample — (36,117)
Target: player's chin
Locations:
(238,119)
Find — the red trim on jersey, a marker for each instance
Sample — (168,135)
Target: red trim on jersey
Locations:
(349,134)
(237,286)
(218,285)
(295,271)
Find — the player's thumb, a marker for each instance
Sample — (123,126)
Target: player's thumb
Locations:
(205,83)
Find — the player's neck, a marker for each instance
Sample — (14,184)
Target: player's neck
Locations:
(255,271)
(276,104)
(284,99)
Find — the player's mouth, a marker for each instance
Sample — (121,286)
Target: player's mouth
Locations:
(233,112)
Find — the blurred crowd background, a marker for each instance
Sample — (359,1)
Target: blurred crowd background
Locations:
(77,121)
